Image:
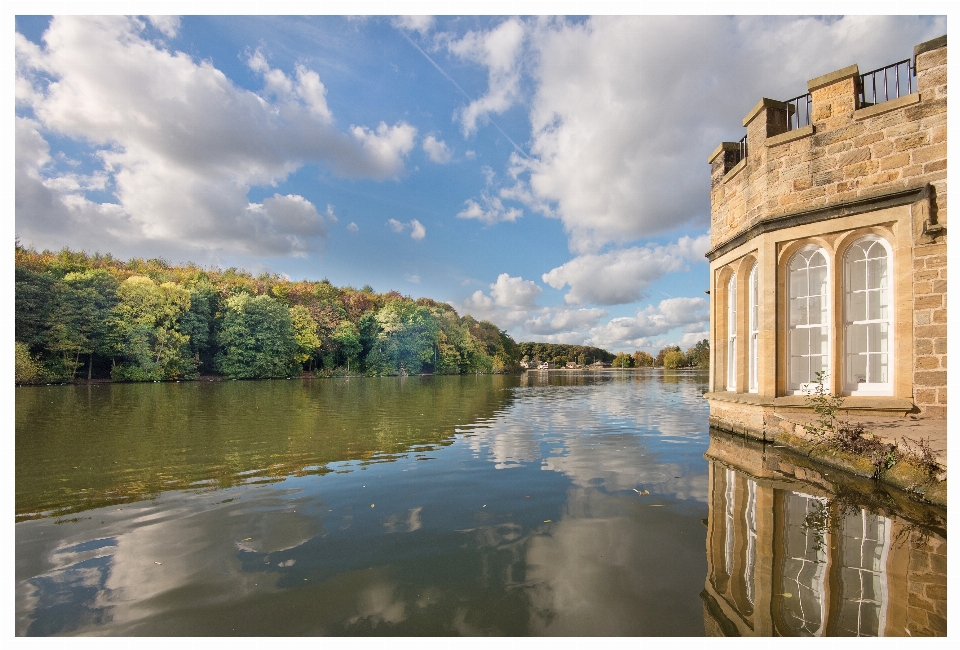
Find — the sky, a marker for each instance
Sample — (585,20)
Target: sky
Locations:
(548,174)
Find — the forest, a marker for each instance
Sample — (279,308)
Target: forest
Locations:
(98,317)
(94,316)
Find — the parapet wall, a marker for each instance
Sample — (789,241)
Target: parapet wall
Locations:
(847,153)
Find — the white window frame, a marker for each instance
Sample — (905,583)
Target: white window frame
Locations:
(732,333)
(805,387)
(754,329)
(875,388)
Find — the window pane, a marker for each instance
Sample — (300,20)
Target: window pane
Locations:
(818,340)
(857,272)
(798,311)
(798,282)
(877,269)
(798,370)
(818,280)
(873,304)
(856,306)
(856,368)
(857,339)
(879,337)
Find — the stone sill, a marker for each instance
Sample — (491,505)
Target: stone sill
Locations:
(790,136)
(740,398)
(886,106)
(850,403)
(735,170)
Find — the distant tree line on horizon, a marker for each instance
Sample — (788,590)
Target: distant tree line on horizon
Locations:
(148,320)
(670,357)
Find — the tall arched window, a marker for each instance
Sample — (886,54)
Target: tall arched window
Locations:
(732,333)
(808,336)
(868,318)
(754,328)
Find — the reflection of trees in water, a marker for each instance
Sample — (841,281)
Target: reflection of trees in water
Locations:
(82,447)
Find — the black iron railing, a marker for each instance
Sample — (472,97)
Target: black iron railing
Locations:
(799,115)
(884,84)
(741,151)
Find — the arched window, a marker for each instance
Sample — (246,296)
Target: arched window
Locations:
(868,318)
(808,336)
(732,333)
(754,328)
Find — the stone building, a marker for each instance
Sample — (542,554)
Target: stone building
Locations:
(828,249)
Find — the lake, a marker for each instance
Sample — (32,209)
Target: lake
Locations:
(551,503)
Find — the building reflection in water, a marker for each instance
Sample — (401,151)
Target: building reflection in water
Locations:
(791,553)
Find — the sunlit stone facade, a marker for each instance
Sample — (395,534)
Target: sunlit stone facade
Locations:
(828,251)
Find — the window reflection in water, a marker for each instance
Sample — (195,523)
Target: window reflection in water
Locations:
(787,556)
(803,568)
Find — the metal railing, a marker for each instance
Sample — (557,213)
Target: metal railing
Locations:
(892,82)
(741,151)
(797,118)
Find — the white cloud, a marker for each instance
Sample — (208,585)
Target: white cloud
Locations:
(514,292)
(421,24)
(437,150)
(417,231)
(177,144)
(415,279)
(353,228)
(491,212)
(638,331)
(624,111)
(560,321)
(621,276)
(499,51)
(166,25)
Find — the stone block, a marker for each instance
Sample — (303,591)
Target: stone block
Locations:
(923,346)
(931,301)
(925,109)
(895,161)
(868,138)
(912,141)
(929,153)
(941,396)
(861,169)
(914,600)
(938,564)
(940,345)
(922,318)
(935,166)
(930,332)
(935,412)
(930,378)
(939,316)
(921,288)
(913,170)
(927,363)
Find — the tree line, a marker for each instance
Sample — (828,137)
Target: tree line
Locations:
(147,320)
(561,353)
(671,357)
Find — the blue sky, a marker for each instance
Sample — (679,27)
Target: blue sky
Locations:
(548,174)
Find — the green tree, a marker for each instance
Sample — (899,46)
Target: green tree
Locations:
(407,335)
(642,359)
(146,335)
(674,359)
(658,362)
(26,368)
(699,354)
(347,337)
(305,332)
(256,338)
(622,360)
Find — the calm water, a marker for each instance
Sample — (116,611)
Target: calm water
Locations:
(547,504)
